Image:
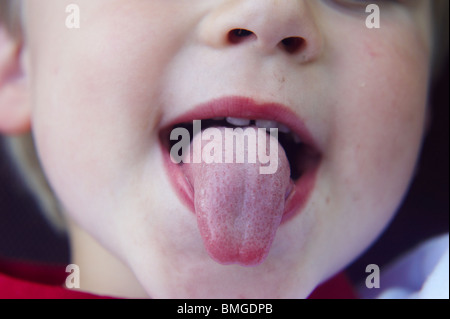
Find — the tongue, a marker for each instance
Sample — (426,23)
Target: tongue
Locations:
(238,209)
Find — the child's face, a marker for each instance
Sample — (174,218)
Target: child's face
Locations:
(103,93)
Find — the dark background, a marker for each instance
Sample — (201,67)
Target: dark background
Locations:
(24,234)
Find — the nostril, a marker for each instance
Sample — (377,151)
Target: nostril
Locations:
(292,44)
(239,35)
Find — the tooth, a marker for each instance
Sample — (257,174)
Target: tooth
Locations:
(296,138)
(238,121)
(266,123)
(283,128)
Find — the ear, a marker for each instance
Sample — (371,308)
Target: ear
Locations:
(15,113)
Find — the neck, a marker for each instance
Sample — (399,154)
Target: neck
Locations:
(101,273)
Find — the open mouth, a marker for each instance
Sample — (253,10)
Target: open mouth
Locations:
(300,151)
(291,142)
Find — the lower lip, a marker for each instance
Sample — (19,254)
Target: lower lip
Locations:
(234,107)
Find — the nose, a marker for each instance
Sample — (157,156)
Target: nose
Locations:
(272,26)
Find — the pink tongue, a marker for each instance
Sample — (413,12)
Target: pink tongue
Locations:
(239,209)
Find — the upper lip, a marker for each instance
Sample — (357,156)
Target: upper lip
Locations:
(242,107)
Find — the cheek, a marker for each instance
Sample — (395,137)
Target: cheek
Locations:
(374,117)
(95,111)
(378,126)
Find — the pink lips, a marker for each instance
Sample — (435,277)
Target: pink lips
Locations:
(241,107)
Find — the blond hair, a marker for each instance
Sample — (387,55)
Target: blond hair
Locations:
(22,149)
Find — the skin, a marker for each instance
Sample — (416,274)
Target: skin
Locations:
(97,96)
